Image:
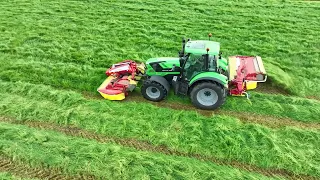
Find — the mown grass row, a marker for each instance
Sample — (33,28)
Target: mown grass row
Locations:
(100,33)
(223,137)
(275,105)
(86,78)
(9,176)
(76,155)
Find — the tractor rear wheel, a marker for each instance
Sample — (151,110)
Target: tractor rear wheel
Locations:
(208,96)
(153,91)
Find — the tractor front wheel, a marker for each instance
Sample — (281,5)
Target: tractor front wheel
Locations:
(153,91)
(207,96)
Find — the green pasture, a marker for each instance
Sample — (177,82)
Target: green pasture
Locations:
(54,52)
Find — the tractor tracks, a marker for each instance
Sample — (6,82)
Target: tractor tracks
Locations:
(270,121)
(245,117)
(147,146)
(20,170)
(313,97)
(269,88)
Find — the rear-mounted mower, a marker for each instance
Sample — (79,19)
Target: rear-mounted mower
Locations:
(199,72)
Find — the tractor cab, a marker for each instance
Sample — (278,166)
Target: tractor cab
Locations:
(202,56)
(198,58)
(197,63)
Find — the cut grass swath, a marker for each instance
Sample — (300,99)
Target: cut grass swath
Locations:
(145,146)
(253,117)
(10,176)
(221,137)
(75,155)
(15,169)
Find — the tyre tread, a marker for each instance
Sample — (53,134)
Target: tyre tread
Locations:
(147,83)
(208,83)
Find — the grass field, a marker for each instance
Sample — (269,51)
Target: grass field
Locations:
(53,56)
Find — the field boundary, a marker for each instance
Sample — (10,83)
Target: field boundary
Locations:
(18,169)
(147,146)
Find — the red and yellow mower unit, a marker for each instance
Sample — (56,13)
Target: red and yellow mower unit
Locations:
(199,72)
(245,73)
(122,77)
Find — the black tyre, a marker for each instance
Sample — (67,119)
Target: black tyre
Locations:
(208,96)
(153,91)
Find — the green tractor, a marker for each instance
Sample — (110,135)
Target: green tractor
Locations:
(199,72)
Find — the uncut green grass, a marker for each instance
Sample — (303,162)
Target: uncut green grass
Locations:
(297,150)
(76,155)
(98,33)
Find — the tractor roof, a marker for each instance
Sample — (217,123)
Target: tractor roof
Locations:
(200,47)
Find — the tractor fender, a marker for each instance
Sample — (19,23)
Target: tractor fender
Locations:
(223,84)
(161,80)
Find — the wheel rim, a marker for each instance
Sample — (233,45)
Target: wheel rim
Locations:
(153,92)
(207,97)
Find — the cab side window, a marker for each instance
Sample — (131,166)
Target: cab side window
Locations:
(212,63)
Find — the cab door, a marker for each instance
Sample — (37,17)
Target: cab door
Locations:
(192,66)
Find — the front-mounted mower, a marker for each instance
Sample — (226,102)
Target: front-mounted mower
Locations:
(199,72)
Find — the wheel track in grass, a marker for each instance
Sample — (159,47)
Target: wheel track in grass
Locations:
(147,146)
(245,117)
(269,88)
(314,97)
(20,170)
